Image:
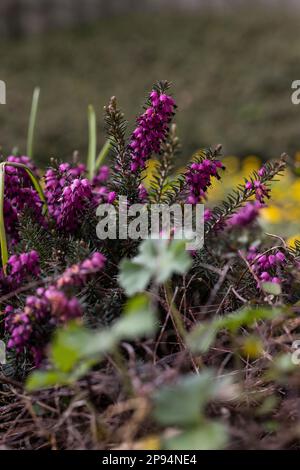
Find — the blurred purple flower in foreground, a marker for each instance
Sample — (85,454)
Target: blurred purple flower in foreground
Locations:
(246,215)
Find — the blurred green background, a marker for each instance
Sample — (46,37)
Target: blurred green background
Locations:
(231,70)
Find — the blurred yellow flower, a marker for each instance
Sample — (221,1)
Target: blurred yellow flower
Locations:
(149,172)
(232,163)
(148,443)
(271,214)
(284,209)
(291,241)
(252,347)
(295,190)
(250,164)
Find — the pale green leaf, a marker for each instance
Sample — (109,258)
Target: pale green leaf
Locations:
(207,436)
(183,403)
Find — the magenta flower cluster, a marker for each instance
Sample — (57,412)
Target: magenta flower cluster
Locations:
(261,190)
(246,215)
(101,192)
(19,194)
(143,193)
(20,267)
(267,267)
(79,273)
(207,215)
(67,194)
(103,195)
(152,129)
(47,308)
(101,176)
(198,178)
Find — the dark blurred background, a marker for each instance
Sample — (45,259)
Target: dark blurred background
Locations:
(231,63)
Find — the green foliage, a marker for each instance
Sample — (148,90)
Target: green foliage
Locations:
(157,260)
(138,319)
(207,436)
(211,289)
(183,405)
(271,288)
(204,334)
(104,152)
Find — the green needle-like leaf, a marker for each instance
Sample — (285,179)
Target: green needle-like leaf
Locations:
(91,158)
(3,241)
(32,121)
(103,154)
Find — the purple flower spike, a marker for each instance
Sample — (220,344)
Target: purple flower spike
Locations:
(143,193)
(68,195)
(20,268)
(267,267)
(152,129)
(246,215)
(49,307)
(19,195)
(102,176)
(198,178)
(78,273)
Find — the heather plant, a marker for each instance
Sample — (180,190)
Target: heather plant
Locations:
(186,343)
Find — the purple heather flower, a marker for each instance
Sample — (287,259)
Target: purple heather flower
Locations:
(78,170)
(261,190)
(74,199)
(198,178)
(152,129)
(246,215)
(19,172)
(17,178)
(143,193)
(207,215)
(111,197)
(68,195)
(48,307)
(18,325)
(78,273)
(20,268)
(262,171)
(19,194)
(11,221)
(103,195)
(21,265)
(266,266)
(102,176)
